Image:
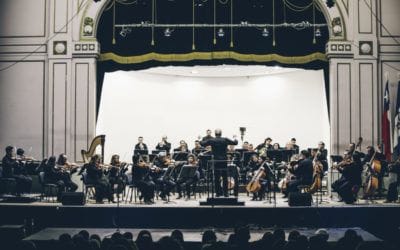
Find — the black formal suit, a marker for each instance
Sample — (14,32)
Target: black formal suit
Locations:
(166,147)
(137,146)
(12,169)
(219,151)
(351,177)
(303,173)
(102,185)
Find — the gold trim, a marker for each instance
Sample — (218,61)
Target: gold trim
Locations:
(210,56)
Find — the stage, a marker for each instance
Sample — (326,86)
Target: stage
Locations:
(190,215)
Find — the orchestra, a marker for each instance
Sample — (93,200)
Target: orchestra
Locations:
(265,169)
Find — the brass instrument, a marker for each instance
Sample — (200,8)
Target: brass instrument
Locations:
(87,155)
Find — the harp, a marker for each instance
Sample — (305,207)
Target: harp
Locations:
(98,140)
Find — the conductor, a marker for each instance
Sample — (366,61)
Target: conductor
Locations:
(219,151)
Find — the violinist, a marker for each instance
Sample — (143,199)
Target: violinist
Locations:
(164,145)
(183,147)
(350,179)
(142,179)
(11,169)
(164,177)
(56,176)
(116,174)
(197,148)
(140,145)
(26,162)
(187,183)
(95,174)
(64,165)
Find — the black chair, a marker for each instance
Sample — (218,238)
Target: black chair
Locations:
(49,190)
(132,193)
(89,188)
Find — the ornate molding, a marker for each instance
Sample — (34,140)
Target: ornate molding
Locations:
(339,49)
(86,49)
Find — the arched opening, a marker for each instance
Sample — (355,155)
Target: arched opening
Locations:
(137,48)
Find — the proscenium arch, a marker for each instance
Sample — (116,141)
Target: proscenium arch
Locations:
(94,11)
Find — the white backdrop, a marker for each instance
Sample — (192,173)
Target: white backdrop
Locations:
(151,105)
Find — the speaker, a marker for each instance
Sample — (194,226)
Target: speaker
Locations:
(73,198)
(299,199)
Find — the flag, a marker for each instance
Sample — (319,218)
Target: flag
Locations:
(386,123)
(396,132)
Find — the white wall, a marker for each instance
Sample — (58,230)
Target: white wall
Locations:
(280,106)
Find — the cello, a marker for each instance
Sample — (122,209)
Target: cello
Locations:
(254,185)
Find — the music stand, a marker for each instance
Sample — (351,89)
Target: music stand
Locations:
(180,156)
(247,155)
(140,152)
(274,155)
(156,151)
(187,172)
(287,154)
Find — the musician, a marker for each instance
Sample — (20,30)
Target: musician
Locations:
(254,164)
(164,145)
(394,170)
(197,148)
(187,183)
(303,172)
(163,178)
(251,148)
(375,155)
(59,177)
(323,155)
(142,179)
(295,147)
(208,136)
(263,182)
(219,147)
(26,162)
(65,165)
(96,175)
(350,179)
(140,145)
(356,155)
(266,145)
(276,146)
(245,146)
(183,147)
(116,174)
(11,169)
(252,168)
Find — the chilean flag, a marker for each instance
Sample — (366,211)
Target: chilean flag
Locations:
(396,132)
(386,123)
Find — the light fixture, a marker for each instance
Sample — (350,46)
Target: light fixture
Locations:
(125,31)
(221,32)
(167,32)
(317,32)
(265,32)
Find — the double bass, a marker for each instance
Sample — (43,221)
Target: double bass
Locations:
(374,168)
(317,174)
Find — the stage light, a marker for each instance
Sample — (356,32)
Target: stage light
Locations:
(221,32)
(167,32)
(265,32)
(317,32)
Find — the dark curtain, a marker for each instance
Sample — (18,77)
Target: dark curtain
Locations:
(293,48)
